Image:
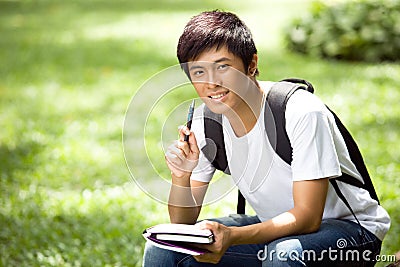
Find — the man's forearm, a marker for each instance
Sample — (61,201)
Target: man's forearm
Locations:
(182,206)
(285,224)
(305,217)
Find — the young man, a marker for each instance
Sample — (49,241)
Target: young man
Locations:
(300,219)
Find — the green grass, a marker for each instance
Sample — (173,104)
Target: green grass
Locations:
(68,71)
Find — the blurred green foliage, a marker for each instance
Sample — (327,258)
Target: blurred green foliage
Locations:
(68,72)
(357,30)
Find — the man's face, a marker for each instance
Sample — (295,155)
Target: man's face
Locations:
(219,79)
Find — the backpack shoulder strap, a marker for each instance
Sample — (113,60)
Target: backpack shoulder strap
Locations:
(274,116)
(214,149)
(357,159)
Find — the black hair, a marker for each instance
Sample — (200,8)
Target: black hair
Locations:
(212,29)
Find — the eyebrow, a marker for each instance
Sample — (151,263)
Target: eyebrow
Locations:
(222,59)
(215,62)
(195,67)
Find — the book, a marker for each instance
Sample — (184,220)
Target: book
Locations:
(179,237)
(181,233)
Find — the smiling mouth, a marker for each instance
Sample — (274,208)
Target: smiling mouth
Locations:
(218,96)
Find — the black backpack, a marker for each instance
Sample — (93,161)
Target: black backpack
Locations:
(274,111)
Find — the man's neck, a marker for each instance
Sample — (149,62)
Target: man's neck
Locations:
(244,117)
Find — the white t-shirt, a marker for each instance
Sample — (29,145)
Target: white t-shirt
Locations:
(319,151)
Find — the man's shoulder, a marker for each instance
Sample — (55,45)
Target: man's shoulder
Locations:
(303,102)
(266,86)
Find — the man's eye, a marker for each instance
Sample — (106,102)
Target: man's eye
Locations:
(198,73)
(222,67)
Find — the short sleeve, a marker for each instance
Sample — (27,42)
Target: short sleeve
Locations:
(310,131)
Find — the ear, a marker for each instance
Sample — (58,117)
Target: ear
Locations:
(253,70)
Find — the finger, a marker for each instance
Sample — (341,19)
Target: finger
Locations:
(193,143)
(172,159)
(207,258)
(199,258)
(175,165)
(184,146)
(202,258)
(206,225)
(182,150)
(175,152)
(183,131)
(177,160)
(201,246)
(203,224)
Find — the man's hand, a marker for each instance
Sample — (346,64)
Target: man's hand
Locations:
(182,157)
(222,237)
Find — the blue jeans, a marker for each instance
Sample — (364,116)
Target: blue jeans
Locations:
(336,243)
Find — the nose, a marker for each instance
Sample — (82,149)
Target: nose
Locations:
(214,80)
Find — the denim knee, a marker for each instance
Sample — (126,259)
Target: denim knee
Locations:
(286,252)
(157,257)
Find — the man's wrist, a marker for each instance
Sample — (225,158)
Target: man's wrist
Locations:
(240,235)
(181,180)
(235,235)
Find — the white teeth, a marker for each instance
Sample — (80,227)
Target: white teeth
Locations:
(217,96)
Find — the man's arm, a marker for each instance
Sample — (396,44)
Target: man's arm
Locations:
(185,200)
(186,196)
(305,217)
